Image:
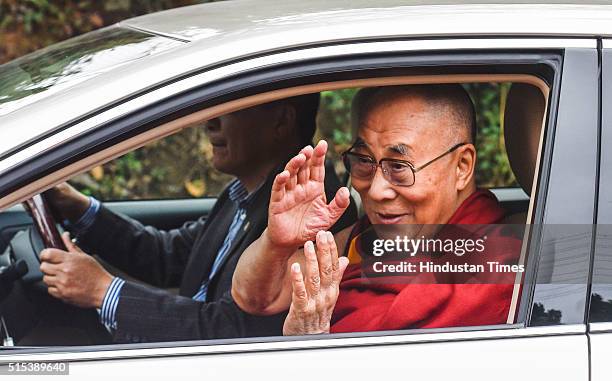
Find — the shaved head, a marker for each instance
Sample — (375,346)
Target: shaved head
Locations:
(423,125)
(448,101)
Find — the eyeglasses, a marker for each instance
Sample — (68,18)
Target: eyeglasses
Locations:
(397,172)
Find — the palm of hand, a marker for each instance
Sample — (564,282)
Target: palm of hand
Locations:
(298,206)
(298,216)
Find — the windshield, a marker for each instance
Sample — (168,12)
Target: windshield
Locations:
(49,70)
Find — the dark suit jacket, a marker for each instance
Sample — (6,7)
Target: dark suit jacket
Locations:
(184,257)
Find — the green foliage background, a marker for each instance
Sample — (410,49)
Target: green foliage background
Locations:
(178,166)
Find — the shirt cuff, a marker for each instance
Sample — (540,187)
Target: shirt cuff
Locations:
(110,303)
(86,220)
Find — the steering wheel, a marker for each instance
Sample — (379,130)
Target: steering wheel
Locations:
(64,324)
(44,222)
(26,245)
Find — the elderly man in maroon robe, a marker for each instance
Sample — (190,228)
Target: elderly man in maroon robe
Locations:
(412,164)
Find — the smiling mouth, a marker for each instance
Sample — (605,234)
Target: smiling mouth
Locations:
(389,218)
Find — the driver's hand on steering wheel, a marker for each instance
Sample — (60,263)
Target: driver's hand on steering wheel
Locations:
(74,276)
(67,202)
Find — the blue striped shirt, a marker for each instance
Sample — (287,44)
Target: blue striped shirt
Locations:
(110,302)
(237,193)
(86,220)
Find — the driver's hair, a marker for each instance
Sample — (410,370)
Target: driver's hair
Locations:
(451,100)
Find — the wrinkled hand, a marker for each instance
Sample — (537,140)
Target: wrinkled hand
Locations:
(67,202)
(315,294)
(73,276)
(298,207)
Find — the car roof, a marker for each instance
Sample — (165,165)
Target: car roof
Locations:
(218,32)
(239,18)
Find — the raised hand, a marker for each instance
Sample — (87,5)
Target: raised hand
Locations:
(298,207)
(315,293)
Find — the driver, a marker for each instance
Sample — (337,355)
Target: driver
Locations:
(431,126)
(201,256)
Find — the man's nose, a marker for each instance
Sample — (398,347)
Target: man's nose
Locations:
(380,188)
(213,124)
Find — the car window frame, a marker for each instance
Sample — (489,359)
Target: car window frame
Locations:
(94,141)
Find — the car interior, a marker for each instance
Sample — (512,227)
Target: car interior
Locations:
(34,319)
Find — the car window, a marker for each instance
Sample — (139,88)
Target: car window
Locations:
(176,167)
(182,166)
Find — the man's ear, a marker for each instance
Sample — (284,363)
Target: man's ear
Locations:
(286,122)
(466,164)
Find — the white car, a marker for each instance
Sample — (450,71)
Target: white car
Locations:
(75,105)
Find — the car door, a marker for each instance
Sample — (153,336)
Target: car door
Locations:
(547,338)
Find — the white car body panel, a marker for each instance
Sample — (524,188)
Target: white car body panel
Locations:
(600,337)
(563,358)
(558,352)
